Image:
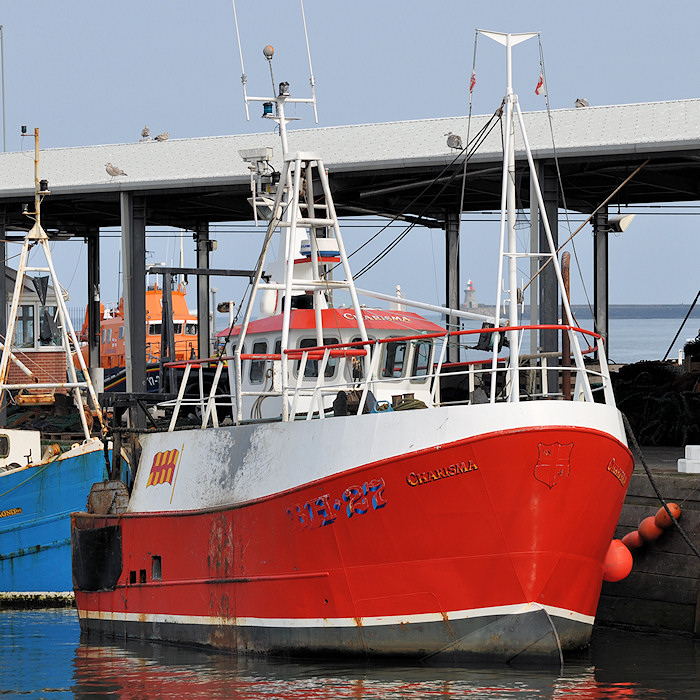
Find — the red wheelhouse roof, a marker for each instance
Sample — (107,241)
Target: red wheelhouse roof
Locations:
(404,322)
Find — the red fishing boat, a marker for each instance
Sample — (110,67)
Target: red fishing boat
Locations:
(354,495)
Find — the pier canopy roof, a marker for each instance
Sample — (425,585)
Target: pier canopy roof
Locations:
(386,169)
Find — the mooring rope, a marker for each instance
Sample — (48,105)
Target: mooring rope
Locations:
(635,444)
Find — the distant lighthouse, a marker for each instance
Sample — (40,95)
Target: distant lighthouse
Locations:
(469,297)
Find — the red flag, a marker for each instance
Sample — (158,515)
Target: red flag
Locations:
(540,83)
(472,82)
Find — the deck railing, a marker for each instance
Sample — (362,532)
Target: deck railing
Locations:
(537,376)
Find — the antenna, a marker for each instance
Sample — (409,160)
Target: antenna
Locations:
(281,96)
(244,78)
(312,82)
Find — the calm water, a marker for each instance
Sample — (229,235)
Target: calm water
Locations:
(632,340)
(42,657)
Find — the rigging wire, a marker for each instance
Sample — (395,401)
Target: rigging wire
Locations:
(472,82)
(589,217)
(249,287)
(690,310)
(560,179)
(466,153)
(559,182)
(469,125)
(425,189)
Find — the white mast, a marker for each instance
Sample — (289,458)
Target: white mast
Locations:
(296,215)
(508,214)
(508,217)
(37,236)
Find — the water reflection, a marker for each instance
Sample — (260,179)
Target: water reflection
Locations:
(662,666)
(42,657)
(137,670)
(618,665)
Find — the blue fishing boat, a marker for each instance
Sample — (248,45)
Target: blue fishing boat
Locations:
(36,500)
(51,447)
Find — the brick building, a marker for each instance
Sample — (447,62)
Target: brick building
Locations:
(37,340)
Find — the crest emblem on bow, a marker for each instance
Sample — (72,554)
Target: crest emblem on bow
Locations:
(553,464)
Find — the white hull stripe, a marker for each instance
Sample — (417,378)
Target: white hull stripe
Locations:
(519,609)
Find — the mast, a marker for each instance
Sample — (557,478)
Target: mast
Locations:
(510,252)
(37,236)
(508,246)
(297,215)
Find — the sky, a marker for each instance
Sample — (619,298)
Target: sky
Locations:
(92,72)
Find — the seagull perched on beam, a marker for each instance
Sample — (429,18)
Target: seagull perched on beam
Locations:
(145,133)
(163,137)
(454,141)
(581,102)
(113,171)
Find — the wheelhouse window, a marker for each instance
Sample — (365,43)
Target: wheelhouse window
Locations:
(421,358)
(355,365)
(257,367)
(394,358)
(311,369)
(191,328)
(154,328)
(121,332)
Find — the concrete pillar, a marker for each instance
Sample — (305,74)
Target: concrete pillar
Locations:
(535,263)
(600,273)
(133,222)
(204,247)
(548,286)
(452,221)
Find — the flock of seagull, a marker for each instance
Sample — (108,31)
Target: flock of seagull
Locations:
(454,141)
(115,171)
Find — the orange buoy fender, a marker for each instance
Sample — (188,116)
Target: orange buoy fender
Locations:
(649,530)
(662,518)
(618,562)
(633,540)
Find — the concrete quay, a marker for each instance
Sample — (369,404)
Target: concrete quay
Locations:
(662,593)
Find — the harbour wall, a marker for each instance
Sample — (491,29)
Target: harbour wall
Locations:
(662,593)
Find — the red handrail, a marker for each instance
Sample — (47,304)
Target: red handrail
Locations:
(346,349)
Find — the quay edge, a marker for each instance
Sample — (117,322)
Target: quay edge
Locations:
(662,593)
(36,600)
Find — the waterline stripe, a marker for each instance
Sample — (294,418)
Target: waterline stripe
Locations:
(289,623)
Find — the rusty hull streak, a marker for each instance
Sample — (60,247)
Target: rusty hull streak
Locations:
(446,620)
(225,634)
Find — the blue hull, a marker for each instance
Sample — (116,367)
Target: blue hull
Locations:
(35,508)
